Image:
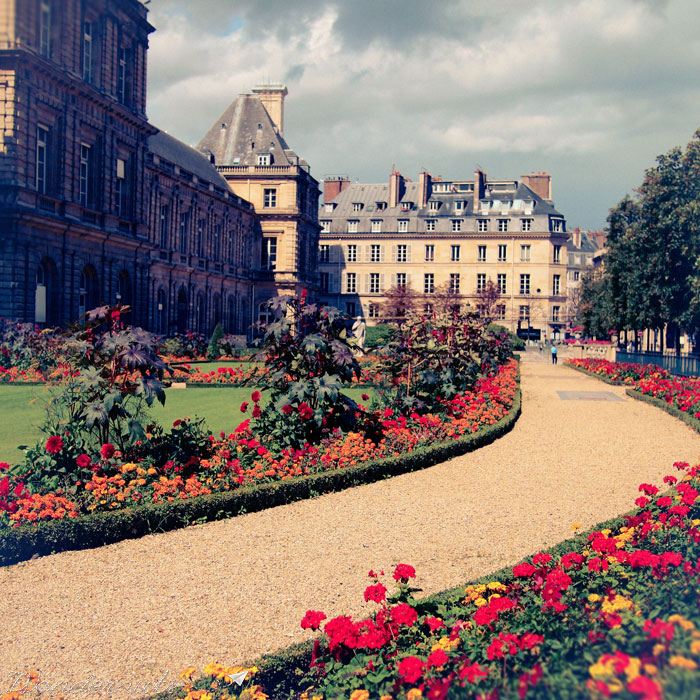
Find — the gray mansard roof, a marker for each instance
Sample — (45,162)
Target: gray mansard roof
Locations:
(369,195)
(185,157)
(244,131)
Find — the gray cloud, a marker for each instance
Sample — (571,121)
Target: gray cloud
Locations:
(590,90)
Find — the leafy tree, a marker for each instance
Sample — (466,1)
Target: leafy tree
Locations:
(487,299)
(444,299)
(398,301)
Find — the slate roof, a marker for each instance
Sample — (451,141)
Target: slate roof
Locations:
(370,194)
(187,158)
(588,244)
(242,132)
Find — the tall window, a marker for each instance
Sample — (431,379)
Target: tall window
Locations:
(501,283)
(352,252)
(524,284)
(482,225)
(123,188)
(557,253)
(42,146)
(454,250)
(269,253)
(350,308)
(401,253)
(373,310)
(403,226)
(351,282)
(352,226)
(456,225)
(481,254)
(184,226)
(45,28)
(500,311)
(374,252)
(325,281)
(555,314)
(199,239)
(430,224)
(324,253)
(85,174)
(480,281)
(556,285)
(454,282)
(123,75)
(502,253)
(164,211)
(503,225)
(374,283)
(524,311)
(524,253)
(88,29)
(557,225)
(526,224)
(429,253)
(215,242)
(270,197)
(428,283)
(401,280)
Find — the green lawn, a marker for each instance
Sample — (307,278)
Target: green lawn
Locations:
(23,411)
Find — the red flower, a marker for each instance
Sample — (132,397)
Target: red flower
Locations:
(411,669)
(107,450)
(404,614)
(54,445)
(305,411)
(438,658)
(287,409)
(541,559)
(244,407)
(4,466)
(83,461)
(256,412)
(403,572)
(176,423)
(435,623)
(255,396)
(365,397)
(376,593)
(312,619)
(524,570)
(646,687)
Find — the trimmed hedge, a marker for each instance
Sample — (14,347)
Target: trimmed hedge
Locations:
(280,672)
(87,531)
(594,375)
(676,412)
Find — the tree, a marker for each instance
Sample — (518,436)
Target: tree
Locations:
(487,299)
(398,301)
(444,298)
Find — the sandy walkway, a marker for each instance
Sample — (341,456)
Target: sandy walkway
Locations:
(226,591)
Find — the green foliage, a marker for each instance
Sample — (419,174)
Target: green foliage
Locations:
(433,358)
(25,346)
(377,335)
(516,343)
(308,356)
(214,349)
(84,532)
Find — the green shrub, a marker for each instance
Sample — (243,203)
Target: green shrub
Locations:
(377,335)
(214,349)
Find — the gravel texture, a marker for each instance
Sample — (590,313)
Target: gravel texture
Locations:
(134,612)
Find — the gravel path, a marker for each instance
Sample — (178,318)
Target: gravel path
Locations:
(226,591)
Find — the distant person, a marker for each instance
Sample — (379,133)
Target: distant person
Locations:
(359,330)
(554,354)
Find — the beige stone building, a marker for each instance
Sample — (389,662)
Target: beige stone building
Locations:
(247,146)
(458,235)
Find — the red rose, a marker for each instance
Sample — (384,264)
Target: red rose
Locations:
(54,445)
(403,572)
(305,411)
(83,461)
(244,407)
(365,397)
(107,450)
(255,396)
(256,412)
(411,669)
(4,466)
(312,619)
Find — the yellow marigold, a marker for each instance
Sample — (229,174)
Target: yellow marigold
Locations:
(682,662)
(617,604)
(187,673)
(658,649)
(213,669)
(446,644)
(479,602)
(359,695)
(593,598)
(495,586)
(695,647)
(414,694)
(650,669)
(679,620)
(386,697)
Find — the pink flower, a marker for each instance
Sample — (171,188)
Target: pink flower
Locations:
(107,450)
(54,445)
(244,407)
(83,461)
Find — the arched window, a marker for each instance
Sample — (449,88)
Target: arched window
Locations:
(231,314)
(216,308)
(40,295)
(123,293)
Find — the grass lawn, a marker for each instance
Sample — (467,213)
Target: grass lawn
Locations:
(23,411)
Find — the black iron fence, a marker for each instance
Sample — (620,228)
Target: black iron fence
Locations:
(680,365)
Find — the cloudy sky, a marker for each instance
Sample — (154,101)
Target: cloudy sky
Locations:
(590,91)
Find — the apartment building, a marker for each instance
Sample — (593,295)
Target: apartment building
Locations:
(457,235)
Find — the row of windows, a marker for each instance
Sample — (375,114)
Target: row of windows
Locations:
(401,253)
(456,225)
(89,52)
(374,283)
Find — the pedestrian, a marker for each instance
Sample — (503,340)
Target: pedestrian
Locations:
(554,354)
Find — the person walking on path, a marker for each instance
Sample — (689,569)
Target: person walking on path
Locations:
(554,354)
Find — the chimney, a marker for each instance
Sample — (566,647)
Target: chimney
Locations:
(333,186)
(540,184)
(479,187)
(576,237)
(425,187)
(396,188)
(272,97)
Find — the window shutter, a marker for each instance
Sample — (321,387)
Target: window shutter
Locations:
(408,253)
(381,282)
(408,281)
(368,253)
(333,283)
(393,253)
(366,283)
(381,253)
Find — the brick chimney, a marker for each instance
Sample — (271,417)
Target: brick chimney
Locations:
(272,97)
(479,187)
(540,184)
(396,188)
(425,187)
(576,237)
(333,186)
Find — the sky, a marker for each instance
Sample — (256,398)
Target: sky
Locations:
(590,91)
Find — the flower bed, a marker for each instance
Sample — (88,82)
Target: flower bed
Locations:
(618,373)
(236,473)
(611,614)
(33,375)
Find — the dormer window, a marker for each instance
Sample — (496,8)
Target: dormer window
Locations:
(433,205)
(352,226)
(406,206)
(357,206)
(557,225)
(376,226)
(325,225)
(381,206)
(263,159)
(330,206)
(459,205)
